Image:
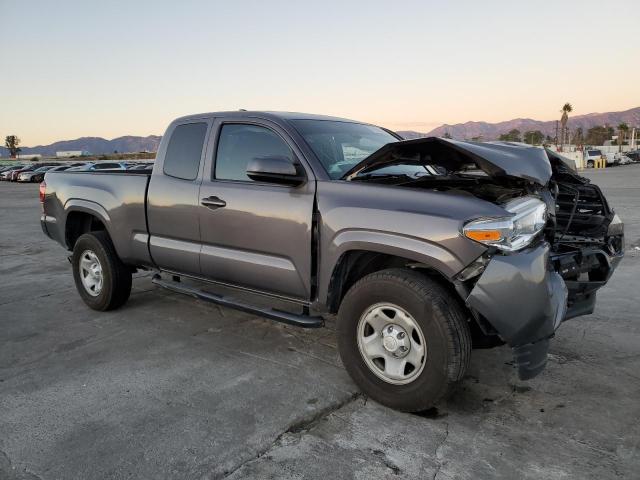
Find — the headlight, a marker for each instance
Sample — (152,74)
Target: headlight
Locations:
(528,218)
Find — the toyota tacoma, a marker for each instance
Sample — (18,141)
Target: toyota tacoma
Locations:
(423,249)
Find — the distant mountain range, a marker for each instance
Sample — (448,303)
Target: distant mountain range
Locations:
(468,130)
(491,131)
(95,145)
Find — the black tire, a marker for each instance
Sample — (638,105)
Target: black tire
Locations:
(439,315)
(116,276)
(590,163)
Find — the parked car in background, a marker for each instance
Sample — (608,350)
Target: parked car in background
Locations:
(13,175)
(6,172)
(79,168)
(622,159)
(36,175)
(634,155)
(591,155)
(91,167)
(142,166)
(76,164)
(61,168)
(612,159)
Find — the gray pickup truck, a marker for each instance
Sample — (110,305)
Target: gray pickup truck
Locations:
(423,248)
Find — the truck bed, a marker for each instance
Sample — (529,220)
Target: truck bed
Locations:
(119,198)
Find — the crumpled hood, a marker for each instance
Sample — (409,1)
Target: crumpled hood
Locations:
(496,159)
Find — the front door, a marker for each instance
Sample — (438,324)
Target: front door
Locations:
(255,235)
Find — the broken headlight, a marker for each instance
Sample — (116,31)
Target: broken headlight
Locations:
(528,218)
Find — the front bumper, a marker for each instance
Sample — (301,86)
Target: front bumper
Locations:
(525,301)
(524,298)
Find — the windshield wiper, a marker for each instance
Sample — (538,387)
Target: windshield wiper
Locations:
(369,176)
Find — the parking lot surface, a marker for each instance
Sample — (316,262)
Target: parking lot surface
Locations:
(170,387)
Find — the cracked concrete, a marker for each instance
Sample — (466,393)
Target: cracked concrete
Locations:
(297,429)
(169,387)
(438,453)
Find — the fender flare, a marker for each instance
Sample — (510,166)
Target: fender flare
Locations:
(86,206)
(417,250)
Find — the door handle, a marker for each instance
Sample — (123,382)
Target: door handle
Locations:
(213,202)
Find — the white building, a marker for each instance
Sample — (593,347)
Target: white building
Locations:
(28,156)
(72,153)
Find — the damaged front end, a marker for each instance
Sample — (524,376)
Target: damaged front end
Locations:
(556,245)
(522,297)
(587,237)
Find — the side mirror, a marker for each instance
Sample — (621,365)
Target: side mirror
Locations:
(276,169)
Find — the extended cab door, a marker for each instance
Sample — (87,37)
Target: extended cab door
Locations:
(173,198)
(255,235)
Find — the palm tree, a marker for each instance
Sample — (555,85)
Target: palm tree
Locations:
(623,128)
(566,110)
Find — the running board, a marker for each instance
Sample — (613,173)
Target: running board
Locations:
(304,321)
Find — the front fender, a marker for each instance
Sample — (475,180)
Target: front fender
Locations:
(415,249)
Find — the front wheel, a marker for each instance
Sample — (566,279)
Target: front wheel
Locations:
(102,280)
(403,339)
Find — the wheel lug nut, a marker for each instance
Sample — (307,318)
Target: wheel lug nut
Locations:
(403,348)
(400,335)
(390,329)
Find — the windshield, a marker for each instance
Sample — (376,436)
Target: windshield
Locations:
(341,145)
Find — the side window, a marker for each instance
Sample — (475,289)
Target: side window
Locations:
(239,144)
(182,159)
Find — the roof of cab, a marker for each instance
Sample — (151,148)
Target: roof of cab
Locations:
(266,115)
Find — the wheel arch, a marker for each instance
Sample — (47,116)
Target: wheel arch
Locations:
(378,250)
(82,217)
(355,264)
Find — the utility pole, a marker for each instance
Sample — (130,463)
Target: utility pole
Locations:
(556,134)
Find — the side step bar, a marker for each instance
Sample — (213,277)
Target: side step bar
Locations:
(304,321)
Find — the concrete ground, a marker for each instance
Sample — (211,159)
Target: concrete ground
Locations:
(170,387)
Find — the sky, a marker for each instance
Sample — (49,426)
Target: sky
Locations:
(111,68)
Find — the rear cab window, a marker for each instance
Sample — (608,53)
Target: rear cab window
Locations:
(182,159)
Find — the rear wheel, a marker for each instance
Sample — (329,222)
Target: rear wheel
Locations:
(403,339)
(102,280)
(590,164)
